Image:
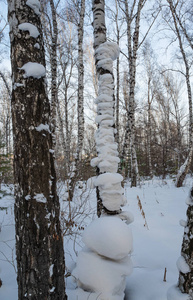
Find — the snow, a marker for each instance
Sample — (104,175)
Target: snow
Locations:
(17,85)
(183,223)
(33,69)
(175,294)
(43,127)
(107,50)
(108,179)
(51,270)
(111,192)
(153,250)
(107,160)
(33,31)
(28,197)
(108,276)
(109,237)
(35,5)
(40,198)
(182,265)
(37,45)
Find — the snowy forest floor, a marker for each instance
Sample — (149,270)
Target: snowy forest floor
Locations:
(157,206)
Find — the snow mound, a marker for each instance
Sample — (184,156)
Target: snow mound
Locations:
(33,31)
(126,216)
(82,295)
(34,70)
(109,237)
(183,223)
(35,5)
(174,293)
(43,127)
(40,198)
(108,179)
(107,50)
(98,274)
(182,265)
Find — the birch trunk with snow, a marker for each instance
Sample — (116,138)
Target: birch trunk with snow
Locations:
(149,131)
(185,262)
(117,125)
(80,105)
(80,82)
(100,260)
(109,198)
(39,242)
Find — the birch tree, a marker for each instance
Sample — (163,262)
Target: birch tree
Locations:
(133,13)
(39,243)
(108,182)
(80,105)
(107,160)
(187,64)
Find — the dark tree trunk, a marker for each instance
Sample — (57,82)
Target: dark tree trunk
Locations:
(39,243)
(186,275)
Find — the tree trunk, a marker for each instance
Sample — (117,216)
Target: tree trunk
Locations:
(133,44)
(186,275)
(185,168)
(53,61)
(107,160)
(39,242)
(149,133)
(77,174)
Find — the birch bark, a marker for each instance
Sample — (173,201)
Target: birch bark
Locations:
(133,44)
(39,243)
(77,174)
(107,160)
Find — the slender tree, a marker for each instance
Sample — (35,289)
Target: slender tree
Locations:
(107,160)
(39,243)
(80,105)
(186,166)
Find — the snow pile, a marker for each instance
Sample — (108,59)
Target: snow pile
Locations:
(40,198)
(35,5)
(43,127)
(109,184)
(102,266)
(34,70)
(182,265)
(33,31)
(111,191)
(174,293)
(109,237)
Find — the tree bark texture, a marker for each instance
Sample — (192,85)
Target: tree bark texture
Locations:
(54,64)
(133,44)
(77,174)
(39,243)
(186,277)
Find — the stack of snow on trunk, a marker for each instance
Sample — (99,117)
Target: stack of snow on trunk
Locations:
(104,262)
(109,182)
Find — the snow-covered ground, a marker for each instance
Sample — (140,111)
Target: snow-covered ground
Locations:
(157,206)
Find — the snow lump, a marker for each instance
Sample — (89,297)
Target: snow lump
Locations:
(109,237)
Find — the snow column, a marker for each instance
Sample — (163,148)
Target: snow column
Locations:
(104,262)
(108,182)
